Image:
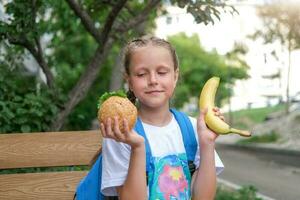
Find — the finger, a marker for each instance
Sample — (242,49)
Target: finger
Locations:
(222,117)
(117,133)
(116,125)
(108,129)
(216,113)
(216,109)
(126,126)
(102,130)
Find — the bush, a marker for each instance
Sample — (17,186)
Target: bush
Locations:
(25,104)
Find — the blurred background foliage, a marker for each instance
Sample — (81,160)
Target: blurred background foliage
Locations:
(198,65)
(25,104)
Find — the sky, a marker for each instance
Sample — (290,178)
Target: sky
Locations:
(235,28)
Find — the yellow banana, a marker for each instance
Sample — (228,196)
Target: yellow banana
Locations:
(207,100)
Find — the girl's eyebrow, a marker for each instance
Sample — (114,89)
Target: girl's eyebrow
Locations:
(160,66)
(164,67)
(140,68)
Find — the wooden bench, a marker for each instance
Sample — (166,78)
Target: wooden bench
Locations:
(49,149)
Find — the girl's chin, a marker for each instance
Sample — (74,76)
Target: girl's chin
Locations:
(155,103)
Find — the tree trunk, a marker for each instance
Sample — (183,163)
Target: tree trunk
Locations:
(83,85)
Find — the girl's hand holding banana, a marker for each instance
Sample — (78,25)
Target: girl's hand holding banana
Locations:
(205,135)
(207,101)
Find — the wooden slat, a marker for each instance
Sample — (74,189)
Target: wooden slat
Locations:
(46,186)
(48,149)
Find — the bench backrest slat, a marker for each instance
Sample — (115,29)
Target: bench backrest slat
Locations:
(48,149)
(46,186)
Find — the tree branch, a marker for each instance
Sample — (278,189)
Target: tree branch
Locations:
(38,51)
(142,16)
(110,20)
(86,20)
(130,11)
(35,50)
(38,55)
(88,23)
(83,85)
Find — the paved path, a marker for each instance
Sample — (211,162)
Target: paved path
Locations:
(276,176)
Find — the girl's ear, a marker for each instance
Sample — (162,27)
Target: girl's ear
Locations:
(127,80)
(176,75)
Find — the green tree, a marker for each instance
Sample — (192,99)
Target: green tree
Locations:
(197,66)
(82,39)
(25,105)
(281,22)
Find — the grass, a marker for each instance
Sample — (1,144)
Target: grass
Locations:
(245,193)
(247,118)
(266,138)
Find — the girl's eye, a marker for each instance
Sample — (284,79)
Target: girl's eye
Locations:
(162,72)
(140,74)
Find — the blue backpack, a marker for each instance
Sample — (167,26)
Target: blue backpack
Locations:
(90,186)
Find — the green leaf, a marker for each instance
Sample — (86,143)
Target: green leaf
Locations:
(25,128)
(106,95)
(8,113)
(21,120)
(21,111)
(45,126)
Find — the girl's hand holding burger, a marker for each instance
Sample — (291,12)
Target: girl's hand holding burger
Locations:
(110,129)
(117,117)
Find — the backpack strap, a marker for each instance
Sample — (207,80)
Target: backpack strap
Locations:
(188,136)
(89,186)
(140,130)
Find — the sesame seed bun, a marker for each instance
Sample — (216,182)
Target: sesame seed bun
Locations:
(120,107)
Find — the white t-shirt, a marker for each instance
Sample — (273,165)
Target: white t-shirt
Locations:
(165,142)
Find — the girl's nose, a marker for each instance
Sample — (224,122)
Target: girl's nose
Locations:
(153,78)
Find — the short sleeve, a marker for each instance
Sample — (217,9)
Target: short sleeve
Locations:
(115,162)
(218,162)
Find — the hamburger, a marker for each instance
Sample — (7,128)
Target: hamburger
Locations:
(116,104)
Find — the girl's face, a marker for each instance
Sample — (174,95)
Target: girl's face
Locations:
(152,76)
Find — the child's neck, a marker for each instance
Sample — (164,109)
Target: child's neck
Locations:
(156,117)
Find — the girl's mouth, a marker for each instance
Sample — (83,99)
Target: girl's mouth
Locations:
(153,92)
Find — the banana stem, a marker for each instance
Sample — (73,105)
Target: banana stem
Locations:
(240,132)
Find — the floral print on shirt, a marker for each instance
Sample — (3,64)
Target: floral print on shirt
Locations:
(170,178)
